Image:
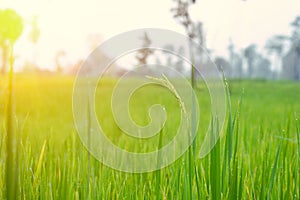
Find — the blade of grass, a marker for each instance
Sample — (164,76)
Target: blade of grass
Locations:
(158,162)
(241,183)
(10,136)
(39,165)
(89,139)
(215,174)
(197,181)
(228,142)
(296,173)
(274,170)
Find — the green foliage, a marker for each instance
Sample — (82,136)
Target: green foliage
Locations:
(11,25)
(257,157)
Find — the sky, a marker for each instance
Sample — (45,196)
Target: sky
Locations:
(66,24)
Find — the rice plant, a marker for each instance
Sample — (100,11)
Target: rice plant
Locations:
(257,156)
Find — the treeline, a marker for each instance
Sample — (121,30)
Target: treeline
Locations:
(279,60)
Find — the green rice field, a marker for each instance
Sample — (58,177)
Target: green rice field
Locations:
(257,157)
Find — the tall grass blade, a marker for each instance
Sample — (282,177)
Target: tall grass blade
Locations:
(89,141)
(215,174)
(274,170)
(158,162)
(241,183)
(297,173)
(10,136)
(39,165)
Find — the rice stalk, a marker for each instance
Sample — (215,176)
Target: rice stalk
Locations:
(11,168)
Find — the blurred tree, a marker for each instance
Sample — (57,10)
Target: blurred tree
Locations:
(179,65)
(60,60)
(34,36)
(235,61)
(291,61)
(224,66)
(258,66)
(11,27)
(275,46)
(200,57)
(172,60)
(250,54)
(296,26)
(144,52)
(262,67)
(181,14)
(169,56)
(291,64)
(35,32)
(199,34)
